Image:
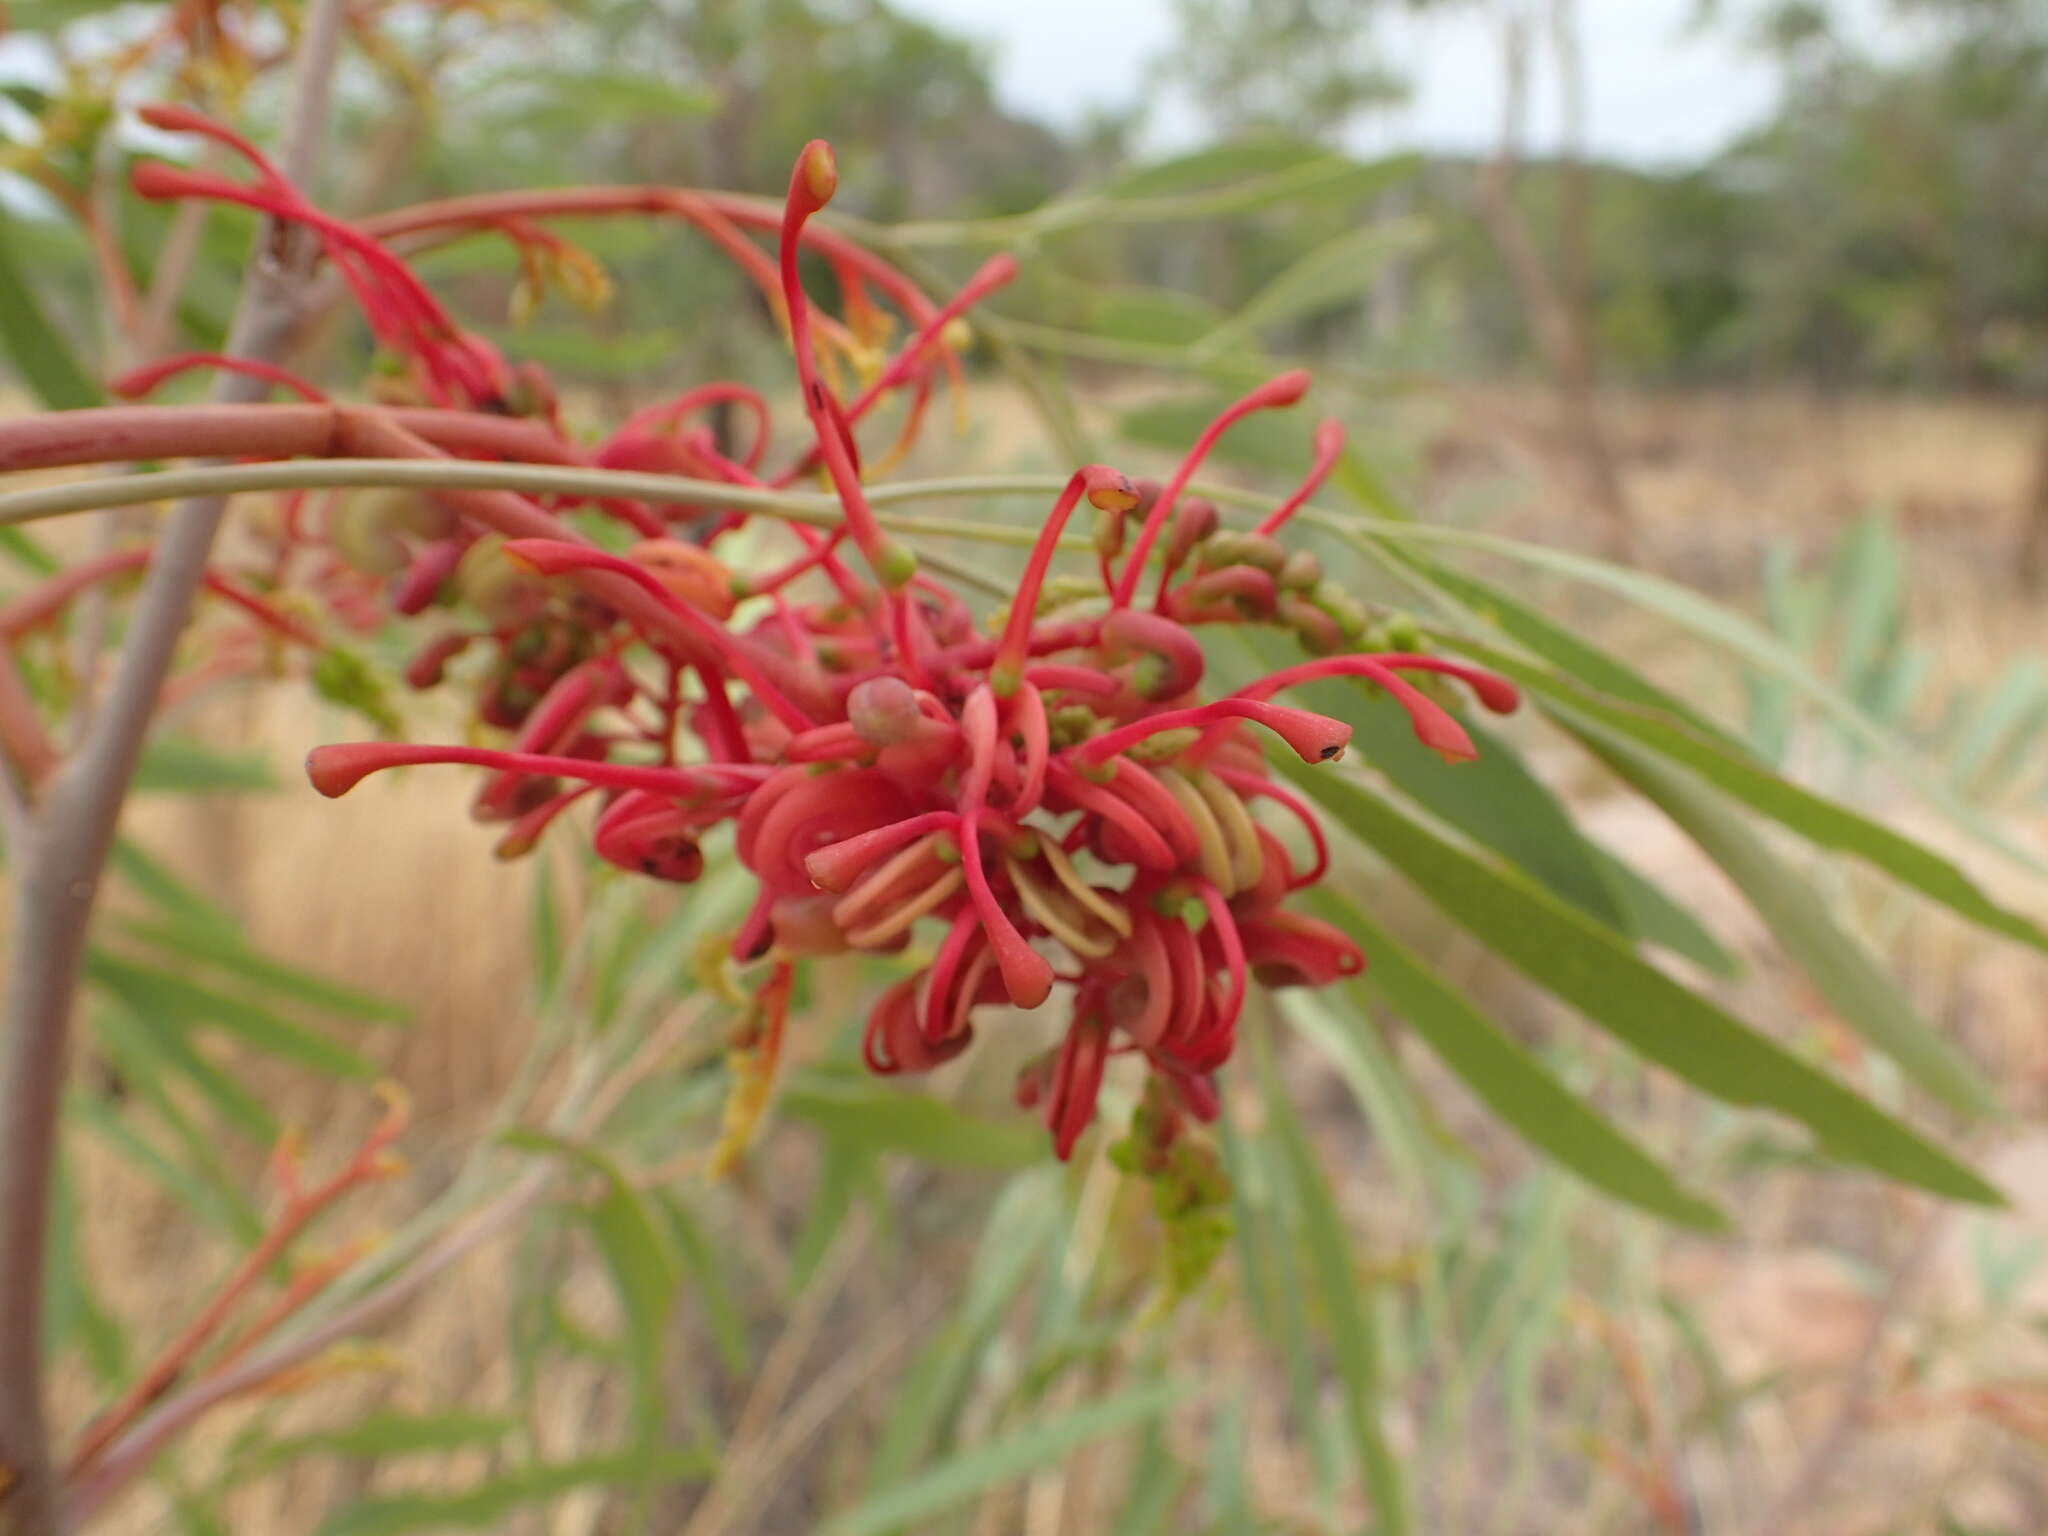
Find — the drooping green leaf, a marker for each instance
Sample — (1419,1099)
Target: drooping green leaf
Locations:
(1584,964)
(1157,1479)
(1217,165)
(1819,820)
(1156,316)
(177,900)
(35,348)
(152,1042)
(1336,272)
(1511,1080)
(186,1004)
(644,1268)
(76,1316)
(885,1119)
(24,551)
(1016,1240)
(1866,999)
(1003,1460)
(1550,640)
(489,1505)
(1739,636)
(1655,918)
(385,1433)
(202,1189)
(710,1280)
(207,943)
(181,766)
(1494,799)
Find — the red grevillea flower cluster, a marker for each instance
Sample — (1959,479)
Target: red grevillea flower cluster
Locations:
(1059,803)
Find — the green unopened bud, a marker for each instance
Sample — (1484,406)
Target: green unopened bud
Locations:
(1319,634)
(1340,605)
(1164,746)
(895,564)
(492,585)
(1071,724)
(1299,572)
(1062,591)
(1258,550)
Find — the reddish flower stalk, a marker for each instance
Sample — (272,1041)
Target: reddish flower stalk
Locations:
(1284,390)
(1329,448)
(335,770)
(44,604)
(373,1161)
(1106,489)
(146,380)
(1314,738)
(811,185)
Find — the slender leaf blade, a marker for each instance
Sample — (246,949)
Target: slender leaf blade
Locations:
(1512,1081)
(1867,1000)
(1005,1459)
(1587,966)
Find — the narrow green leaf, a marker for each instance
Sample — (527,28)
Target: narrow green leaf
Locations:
(1553,642)
(135,1030)
(711,1284)
(189,1005)
(1016,1240)
(1353,1342)
(1584,964)
(164,890)
(1867,1000)
(386,1433)
(1005,1459)
(1494,799)
(885,1119)
(1510,1079)
(24,551)
(1742,638)
(1155,1487)
(204,1191)
(1817,819)
(1217,166)
(1338,271)
(490,1505)
(181,766)
(209,944)
(1226,1492)
(645,1271)
(35,347)
(1154,316)
(848,1171)
(1655,918)
(76,1314)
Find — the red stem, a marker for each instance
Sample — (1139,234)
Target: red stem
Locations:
(1280,391)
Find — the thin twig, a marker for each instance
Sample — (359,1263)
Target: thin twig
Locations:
(133,1452)
(66,851)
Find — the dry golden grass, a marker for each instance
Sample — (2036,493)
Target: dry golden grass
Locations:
(397,891)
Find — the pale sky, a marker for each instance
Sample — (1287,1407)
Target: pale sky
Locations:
(1659,91)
